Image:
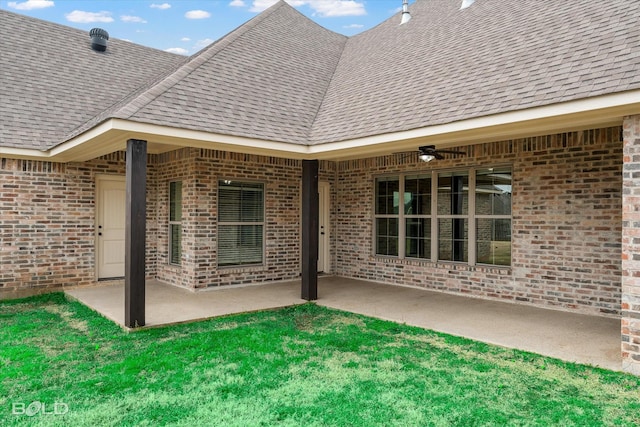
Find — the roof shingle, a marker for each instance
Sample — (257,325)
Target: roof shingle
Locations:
(281,77)
(51,80)
(448,64)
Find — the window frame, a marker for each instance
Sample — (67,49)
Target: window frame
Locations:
(171,223)
(492,216)
(262,223)
(470,217)
(405,216)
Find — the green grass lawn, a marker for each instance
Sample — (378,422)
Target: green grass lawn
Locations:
(301,366)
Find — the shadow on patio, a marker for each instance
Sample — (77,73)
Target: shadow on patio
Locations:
(568,336)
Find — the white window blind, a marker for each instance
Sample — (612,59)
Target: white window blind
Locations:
(240,223)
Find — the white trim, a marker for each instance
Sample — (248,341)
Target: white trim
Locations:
(23,153)
(111,135)
(83,138)
(604,109)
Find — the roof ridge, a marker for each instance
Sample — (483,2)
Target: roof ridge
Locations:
(139,98)
(324,95)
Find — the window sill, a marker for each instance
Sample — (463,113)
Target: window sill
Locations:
(445,265)
(241,268)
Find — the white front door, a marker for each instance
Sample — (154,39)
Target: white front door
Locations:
(110,226)
(324,192)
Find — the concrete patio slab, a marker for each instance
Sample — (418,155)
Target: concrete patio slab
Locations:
(167,304)
(572,337)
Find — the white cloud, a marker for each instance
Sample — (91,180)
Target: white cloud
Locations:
(129,18)
(162,6)
(30,4)
(203,43)
(353,26)
(260,5)
(178,50)
(237,3)
(88,17)
(185,39)
(323,8)
(197,14)
(329,8)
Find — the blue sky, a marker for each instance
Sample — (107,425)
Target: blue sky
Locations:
(186,26)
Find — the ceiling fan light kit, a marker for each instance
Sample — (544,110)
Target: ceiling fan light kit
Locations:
(426,157)
(429,153)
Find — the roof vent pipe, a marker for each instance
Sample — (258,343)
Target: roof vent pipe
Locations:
(99,39)
(466,4)
(406,16)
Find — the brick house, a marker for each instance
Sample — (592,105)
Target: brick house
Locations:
(284,149)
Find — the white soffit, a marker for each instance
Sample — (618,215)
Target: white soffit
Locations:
(111,135)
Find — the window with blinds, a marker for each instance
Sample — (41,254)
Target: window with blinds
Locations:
(175,222)
(240,223)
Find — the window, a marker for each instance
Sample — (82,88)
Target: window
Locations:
(417,216)
(387,208)
(493,216)
(240,223)
(453,216)
(460,216)
(175,222)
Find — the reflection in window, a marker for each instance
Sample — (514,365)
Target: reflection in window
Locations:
(175,222)
(439,205)
(493,216)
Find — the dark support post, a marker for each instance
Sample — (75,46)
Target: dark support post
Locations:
(135,233)
(310,222)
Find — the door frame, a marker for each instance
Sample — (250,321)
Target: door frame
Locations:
(100,178)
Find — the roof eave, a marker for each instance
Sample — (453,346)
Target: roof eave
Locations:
(588,113)
(111,135)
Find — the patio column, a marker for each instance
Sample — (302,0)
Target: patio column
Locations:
(135,233)
(310,221)
(630,301)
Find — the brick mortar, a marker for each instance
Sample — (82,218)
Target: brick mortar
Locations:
(630,325)
(566,250)
(566,225)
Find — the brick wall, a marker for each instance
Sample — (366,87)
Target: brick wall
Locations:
(566,241)
(631,247)
(200,170)
(47,222)
(566,227)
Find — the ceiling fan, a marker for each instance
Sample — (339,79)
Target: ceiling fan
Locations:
(426,153)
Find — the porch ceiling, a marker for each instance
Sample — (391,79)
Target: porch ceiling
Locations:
(112,135)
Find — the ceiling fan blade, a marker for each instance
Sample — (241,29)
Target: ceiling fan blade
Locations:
(406,154)
(451,152)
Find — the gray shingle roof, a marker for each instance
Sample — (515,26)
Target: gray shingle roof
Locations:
(51,80)
(281,77)
(448,64)
(265,80)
